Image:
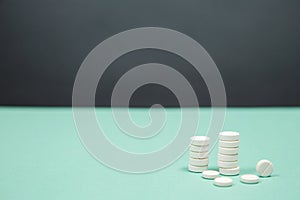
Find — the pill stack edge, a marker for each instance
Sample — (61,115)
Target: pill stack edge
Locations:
(228,153)
(199,153)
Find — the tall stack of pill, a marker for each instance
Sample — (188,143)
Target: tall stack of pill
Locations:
(228,153)
(199,151)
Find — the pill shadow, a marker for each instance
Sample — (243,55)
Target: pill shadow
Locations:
(230,186)
(269,177)
(253,171)
(184,169)
(210,168)
(249,184)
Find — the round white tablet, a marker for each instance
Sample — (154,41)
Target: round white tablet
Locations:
(227,158)
(210,174)
(200,140)
(224,164)
(198,162)
(230,171)
(223,181)
(199,154)
(199,148)
(228,151)
(197,168)
(230,144)
(264,168)
(229,135)
(249,178)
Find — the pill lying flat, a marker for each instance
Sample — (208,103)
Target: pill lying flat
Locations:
(200,140)
(198,162)
(229,135)
(197,169)
(230,171)
(228,151)
(199,148)
(249,178)
(199,154)
(227,158)
(210,174)
(224,164)
(264,168)
(223,181)
(230,144)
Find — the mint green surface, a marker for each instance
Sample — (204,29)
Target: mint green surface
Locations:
(41,157)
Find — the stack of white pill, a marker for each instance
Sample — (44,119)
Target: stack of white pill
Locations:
(228,153)
(199,151)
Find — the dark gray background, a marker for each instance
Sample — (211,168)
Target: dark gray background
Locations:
(255,44)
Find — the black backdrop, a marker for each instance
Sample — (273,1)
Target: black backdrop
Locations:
(255,44)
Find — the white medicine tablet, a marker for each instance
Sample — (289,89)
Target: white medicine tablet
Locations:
(210,174)
(200,140)
(230,144)
(230,171)
(227,158)
(199,148)
(229,135)
(264,168)
(223,181)
(199,154)
(224,164)
(249,178)
(197,169)
(198,162)
(228,151)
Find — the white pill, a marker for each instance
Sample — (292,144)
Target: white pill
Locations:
(199,148)
(230,171)
(197,168)
(228,151)
(229,135)
(230,144)
(200,140)
(199,154)
(227,158)
(210,174)
(264,168)
(198,162)
(249,178)
(223,181)
(224,164)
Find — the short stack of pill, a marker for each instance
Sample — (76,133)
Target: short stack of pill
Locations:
(199,151)
(228,153)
